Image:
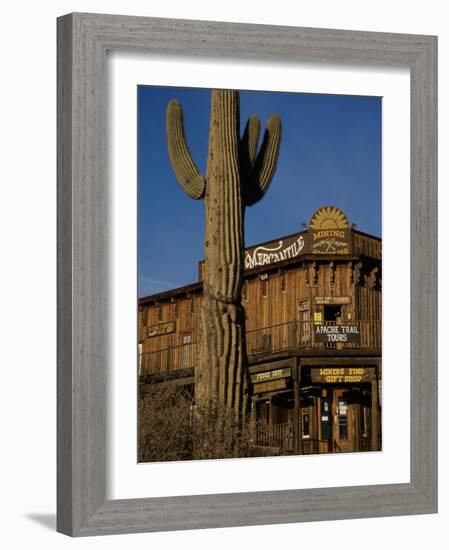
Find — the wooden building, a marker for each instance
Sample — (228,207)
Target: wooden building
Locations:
(313,333)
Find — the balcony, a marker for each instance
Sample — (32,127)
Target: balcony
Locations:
(296,335)
(286,337)
(168,360)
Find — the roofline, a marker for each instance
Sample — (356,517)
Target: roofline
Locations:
(289,263)
(276,239)
(162,296)
(367,234)
(300,233)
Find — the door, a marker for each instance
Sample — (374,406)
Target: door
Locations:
(325,423)
(343,436)
(332,313)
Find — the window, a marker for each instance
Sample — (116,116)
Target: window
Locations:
(139,357)
(305,423)
(304,323)
(283,281)
(342,413)
(365,421)
(325,420)
(264,284)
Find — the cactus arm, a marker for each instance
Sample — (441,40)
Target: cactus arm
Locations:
(185,169)
(248,146)
(264,167)
(250,139)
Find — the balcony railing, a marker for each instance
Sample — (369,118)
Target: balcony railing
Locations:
(276,435)
(292,336)
(168,360)
(310,334)
(281,436)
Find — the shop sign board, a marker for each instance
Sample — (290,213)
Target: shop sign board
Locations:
(162,329)
(335,334)
(342,375)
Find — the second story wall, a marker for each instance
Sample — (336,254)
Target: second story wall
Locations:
(282,308)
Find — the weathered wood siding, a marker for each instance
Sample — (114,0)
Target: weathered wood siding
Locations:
(272,300)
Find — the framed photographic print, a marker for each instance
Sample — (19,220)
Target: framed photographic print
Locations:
(309,328)
(247,274)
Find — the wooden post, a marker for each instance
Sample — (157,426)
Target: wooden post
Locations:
(374,416)
(253,408)
(338,321)
(293,344)
(318,418)
(296,427)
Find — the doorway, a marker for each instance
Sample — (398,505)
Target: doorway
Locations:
(344,423)
(332,313)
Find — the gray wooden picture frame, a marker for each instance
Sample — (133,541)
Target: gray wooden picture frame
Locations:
(83,40)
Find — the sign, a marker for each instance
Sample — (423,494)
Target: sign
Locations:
(333,300)
(270,386)
(329,232)
(318,317)
(271,253)
(271,375)
(330,241)
(342,375)
(337,333)
(161,329)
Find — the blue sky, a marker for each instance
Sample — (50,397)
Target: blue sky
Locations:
(330,154)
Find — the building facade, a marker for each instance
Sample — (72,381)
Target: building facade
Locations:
(312,303)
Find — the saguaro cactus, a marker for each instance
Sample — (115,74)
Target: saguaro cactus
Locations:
(236,177)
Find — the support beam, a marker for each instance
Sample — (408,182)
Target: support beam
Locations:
(296,426)
(374,417)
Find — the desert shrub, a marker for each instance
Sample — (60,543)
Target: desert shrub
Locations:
(165,412)
(218,433)
(171,428)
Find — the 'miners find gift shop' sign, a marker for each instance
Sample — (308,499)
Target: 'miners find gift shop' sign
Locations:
(343,375)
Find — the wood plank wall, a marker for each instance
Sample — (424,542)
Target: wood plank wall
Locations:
(273,298)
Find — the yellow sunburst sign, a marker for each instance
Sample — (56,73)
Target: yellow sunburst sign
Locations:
(329,232)
(329,217)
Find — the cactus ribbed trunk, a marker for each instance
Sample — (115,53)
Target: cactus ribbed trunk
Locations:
(237,176)
(220,374)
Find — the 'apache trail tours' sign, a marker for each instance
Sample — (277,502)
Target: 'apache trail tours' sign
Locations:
(337,333)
